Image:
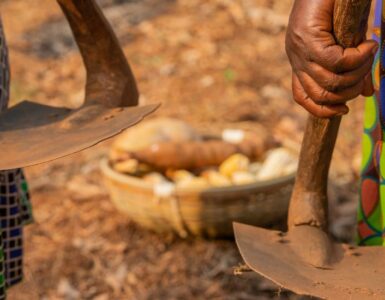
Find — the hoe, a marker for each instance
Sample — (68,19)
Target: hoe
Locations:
(32,133)
(305,259)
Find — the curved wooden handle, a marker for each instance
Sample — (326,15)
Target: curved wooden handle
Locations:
(110,80)
(309,199)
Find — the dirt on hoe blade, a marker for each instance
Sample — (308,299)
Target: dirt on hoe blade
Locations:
(360,274)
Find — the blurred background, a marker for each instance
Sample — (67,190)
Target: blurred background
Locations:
(212,63)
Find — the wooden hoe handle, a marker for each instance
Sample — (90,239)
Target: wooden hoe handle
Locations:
(309,200)
(110,80)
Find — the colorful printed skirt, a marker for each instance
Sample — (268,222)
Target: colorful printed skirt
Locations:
(15,208)
(371,211)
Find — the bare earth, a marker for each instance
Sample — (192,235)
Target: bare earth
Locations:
(215,64)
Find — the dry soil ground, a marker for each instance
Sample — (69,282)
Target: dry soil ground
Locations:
(213,63)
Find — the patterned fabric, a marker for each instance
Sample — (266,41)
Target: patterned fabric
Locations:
(15,209)
(371,212)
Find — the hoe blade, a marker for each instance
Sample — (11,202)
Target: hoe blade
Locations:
(32,133)
(360,274)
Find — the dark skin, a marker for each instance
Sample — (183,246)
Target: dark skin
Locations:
(325,76)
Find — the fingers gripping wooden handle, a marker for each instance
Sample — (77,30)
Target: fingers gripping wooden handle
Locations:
(309,199)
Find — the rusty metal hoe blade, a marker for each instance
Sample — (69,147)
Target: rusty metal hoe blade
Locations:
(32,133)
(305,259)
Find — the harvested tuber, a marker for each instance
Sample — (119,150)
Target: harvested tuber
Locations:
(235,163)
(241,178)
(131,166)
(154,178)
(193,183)
(197,154)
(149,132)
(215,178)
(179,175)
(279,162)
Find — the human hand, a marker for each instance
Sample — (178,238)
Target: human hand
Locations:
(325,76)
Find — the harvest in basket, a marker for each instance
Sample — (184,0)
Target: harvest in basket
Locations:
(166,176)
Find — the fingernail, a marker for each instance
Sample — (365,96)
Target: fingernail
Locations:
(374,51)
(343,112)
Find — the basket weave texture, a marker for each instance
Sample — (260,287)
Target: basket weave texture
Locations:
(192,212)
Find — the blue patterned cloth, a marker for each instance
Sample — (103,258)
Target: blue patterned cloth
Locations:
(15,208)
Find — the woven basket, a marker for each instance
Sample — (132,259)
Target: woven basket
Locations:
(193,212)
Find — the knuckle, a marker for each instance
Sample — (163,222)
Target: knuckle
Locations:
(295,42)
(319,114)
(298,99)
(323,113)
(338,64)
(289,40)
(314,53)
(315,111)
(321,97)
(318,53)
(333,83)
